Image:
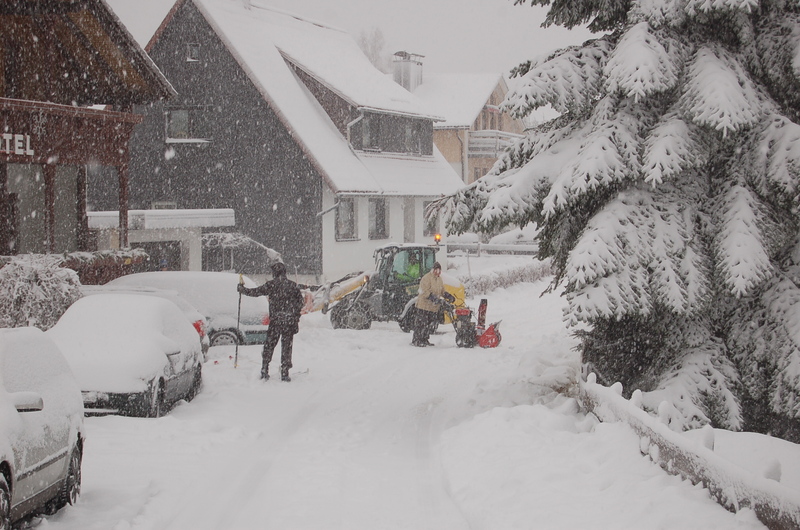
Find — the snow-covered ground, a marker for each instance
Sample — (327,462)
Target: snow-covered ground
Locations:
(373,433)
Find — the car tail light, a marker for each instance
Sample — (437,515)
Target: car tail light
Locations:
(200,327)
(265,320)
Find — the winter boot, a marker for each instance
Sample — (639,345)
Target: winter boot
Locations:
(265,375)
(285,376)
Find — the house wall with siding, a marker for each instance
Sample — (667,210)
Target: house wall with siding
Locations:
(251,163)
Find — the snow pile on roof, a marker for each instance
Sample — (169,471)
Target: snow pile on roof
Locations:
(334,59)
(458,97)
(169,218)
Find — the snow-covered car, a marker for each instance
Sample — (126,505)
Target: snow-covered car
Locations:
(131,354)
(213,294)
(41,427)
(195,317)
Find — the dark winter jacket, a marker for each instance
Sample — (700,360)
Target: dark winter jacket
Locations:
(285,300)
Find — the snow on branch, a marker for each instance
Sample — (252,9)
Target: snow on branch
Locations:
(698,387)
(694,7)
(778,156)
(670,148)
(658,12)
(719,93)
(569,81)
(640,65)
(510,193)
(608,154)
(605,272)
(743,260)
(667,246)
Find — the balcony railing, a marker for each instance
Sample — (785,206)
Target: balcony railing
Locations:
(490,144)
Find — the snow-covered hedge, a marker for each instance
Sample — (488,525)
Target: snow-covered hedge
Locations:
(776,506)
(35,290)
(485,283)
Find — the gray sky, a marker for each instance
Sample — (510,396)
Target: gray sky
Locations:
(453,35)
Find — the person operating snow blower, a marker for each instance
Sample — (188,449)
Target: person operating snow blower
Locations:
(431,297)
(285,303)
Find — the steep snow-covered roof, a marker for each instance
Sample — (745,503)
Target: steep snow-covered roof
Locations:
(459,98)
(263,39)
(334,59)
(399,174)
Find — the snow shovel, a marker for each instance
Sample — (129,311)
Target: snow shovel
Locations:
(238,316)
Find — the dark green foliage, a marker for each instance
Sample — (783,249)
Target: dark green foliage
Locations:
(600,15)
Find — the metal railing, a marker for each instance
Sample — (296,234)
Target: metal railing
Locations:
(492,248)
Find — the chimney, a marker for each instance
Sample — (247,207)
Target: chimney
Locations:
(407,68)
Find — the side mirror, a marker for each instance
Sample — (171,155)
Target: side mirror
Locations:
(27,401)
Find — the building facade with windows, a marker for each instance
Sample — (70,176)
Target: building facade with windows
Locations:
(475,132)
(69,77)
(285,121)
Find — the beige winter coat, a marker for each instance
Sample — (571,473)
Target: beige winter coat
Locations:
(430,284)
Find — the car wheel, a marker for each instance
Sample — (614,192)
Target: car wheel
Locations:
(71,488)
(5,504)
(197,380)
(157,405)
(224,338)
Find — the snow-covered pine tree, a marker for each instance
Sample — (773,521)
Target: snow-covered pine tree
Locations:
(668,194)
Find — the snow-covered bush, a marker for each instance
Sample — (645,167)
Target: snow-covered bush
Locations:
(667,193)
(35,291)
(485,283)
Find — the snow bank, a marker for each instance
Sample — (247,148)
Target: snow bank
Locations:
(733,487)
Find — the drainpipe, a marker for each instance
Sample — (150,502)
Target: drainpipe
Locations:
(350,125)
(326,210)
(464,159)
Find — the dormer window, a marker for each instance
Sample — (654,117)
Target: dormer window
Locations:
(371,133)
(193,52)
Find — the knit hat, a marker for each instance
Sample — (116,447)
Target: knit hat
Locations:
(278,269)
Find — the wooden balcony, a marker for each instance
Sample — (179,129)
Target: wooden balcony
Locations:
(490,144)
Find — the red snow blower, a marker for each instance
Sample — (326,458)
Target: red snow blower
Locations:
(469,333)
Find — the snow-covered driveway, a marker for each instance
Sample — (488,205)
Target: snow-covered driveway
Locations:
(356,442)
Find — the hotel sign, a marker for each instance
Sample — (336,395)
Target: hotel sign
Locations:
(15,144)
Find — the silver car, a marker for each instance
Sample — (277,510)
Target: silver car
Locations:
(195,317)
(131,354)
(41,427)
(214,295)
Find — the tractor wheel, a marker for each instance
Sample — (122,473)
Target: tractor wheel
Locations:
(350,316)
(337,315)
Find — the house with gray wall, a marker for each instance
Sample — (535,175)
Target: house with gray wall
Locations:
(321,156)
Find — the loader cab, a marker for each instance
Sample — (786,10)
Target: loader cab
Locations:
(398,272)
(403,265)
